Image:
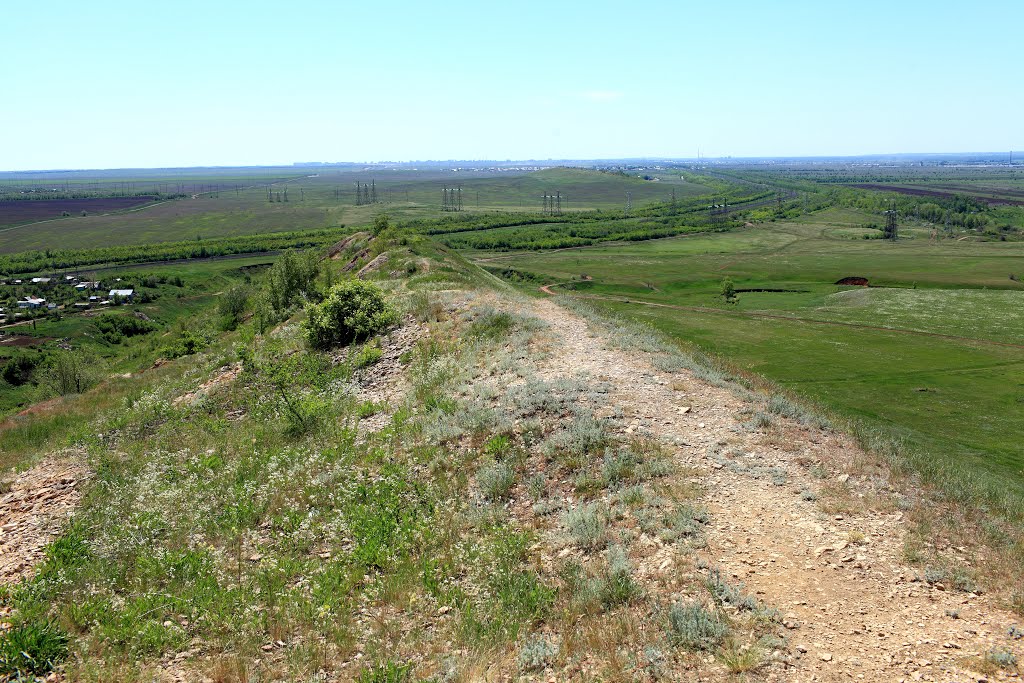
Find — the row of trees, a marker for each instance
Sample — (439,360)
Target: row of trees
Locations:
(51,260)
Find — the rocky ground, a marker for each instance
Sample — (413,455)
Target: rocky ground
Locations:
(38,503)
(799,519)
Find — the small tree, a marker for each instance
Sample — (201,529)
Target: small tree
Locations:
(68,372)
(233,304)
(353,310)
(729,291)
(381,223)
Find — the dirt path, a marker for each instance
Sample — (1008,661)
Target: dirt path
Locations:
(798,520)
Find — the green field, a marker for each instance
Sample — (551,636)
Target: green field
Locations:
(933,352)
(326,198)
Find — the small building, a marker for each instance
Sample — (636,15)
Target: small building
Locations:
(84,285)
(51,306)
(41,280)
(82,304)
(128,294)
(31,302)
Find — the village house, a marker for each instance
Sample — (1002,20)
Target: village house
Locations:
(31,302)
(128,294)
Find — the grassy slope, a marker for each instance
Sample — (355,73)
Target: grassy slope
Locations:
(232,522)
(970,412)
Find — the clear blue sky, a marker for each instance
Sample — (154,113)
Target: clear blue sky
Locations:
(114,84)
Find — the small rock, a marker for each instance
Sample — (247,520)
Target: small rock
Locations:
(826,656)
(843,478)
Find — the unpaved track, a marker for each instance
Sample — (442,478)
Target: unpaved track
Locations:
(854,610)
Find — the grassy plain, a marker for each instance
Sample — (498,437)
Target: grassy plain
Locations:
(326,198)
(933,356)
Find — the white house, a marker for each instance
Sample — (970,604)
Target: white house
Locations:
(122,293)
(40,280)
(31,302)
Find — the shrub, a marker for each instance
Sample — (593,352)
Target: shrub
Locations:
(18,370)
(32,648)
(386,672)
(615,585)
(492,324)
(367,356)
(233,303)
(537,653)
(695,628)
(587,525)
(353,310)
(115,328)
(1001,659)
(496,480)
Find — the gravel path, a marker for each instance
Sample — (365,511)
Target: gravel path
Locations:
(823,546)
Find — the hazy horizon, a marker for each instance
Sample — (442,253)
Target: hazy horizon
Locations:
(993,156)
(97,88)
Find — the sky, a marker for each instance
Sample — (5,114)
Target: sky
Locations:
(105,84)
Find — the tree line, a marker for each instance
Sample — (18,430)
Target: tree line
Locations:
(51,260)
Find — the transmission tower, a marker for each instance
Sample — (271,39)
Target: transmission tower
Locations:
(629,202)
(373,191)
(451,199)
(891,229)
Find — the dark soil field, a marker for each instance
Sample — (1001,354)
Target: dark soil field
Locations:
(23,340)
(15,211)
(924,192)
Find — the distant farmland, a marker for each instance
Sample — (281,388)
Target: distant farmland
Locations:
(990,195)
(17,211)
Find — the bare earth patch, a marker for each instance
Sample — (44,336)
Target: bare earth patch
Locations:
(39,503)
(225,375)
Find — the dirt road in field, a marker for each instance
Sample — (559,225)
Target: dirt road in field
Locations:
(804,523)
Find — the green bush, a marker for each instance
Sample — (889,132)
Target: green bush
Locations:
(695,628)
(32,648)
(353,310)
(115,328)
(386,672)
(18,370)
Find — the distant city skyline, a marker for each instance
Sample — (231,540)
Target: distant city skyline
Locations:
(97,85)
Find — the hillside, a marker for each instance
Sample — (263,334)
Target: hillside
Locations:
(497,487)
